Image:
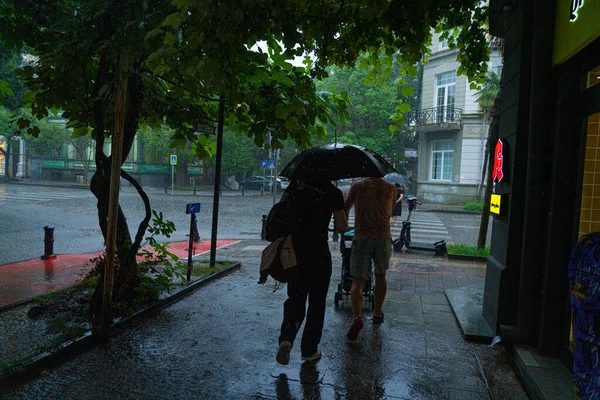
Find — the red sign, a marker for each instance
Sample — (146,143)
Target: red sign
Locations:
(497,174)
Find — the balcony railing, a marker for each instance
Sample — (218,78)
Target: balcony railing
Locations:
(436,118)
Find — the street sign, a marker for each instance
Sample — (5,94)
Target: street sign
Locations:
(495,204)
(410,153)
(498,172)
(192,208)
(264,163)
(271,164)
(207,129)
(173,159)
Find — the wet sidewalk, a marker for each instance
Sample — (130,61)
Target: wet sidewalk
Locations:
(220,343)
(24,280)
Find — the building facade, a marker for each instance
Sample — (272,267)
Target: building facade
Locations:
(74,162)
(451,129)
(548,194)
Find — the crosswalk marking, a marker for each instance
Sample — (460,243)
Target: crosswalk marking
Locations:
(426,228)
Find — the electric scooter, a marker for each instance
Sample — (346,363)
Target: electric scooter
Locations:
(439,247)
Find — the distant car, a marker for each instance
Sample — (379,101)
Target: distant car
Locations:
(282,182)
(255,183)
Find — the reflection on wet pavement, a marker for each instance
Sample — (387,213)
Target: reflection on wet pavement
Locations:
(220,343)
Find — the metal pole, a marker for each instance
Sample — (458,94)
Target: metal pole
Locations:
(113,202)
(190,247)
(215,220)
(172,179)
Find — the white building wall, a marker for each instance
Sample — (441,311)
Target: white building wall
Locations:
(470,165)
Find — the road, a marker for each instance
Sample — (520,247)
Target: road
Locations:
(26,209)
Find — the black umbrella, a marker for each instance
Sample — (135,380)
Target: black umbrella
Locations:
(337,161)
(395,177)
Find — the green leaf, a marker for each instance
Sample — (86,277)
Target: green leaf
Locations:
(173,20)
(404,108)
(5,90)
(407,91)
(80,131)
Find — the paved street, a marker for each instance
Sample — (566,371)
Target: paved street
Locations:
(26,209)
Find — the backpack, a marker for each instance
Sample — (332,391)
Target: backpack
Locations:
(279,261)
(281,221)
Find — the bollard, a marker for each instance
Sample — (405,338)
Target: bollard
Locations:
(48,243)
(165,189)
(262,190)
(263,231)
(242,189)
(194,190)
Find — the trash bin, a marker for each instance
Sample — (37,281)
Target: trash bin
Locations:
(584,278)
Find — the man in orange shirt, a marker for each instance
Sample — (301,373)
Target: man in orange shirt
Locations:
(373,199)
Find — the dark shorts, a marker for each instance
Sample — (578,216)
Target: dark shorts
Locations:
(364,250)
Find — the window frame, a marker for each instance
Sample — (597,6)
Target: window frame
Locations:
(444,153)
(445,116)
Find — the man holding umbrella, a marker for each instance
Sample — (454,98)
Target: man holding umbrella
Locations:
(373,199)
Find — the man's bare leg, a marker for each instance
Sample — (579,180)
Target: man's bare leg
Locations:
(356,293)
(380,292)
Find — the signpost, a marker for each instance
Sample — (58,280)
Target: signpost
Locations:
(173,164)
(270,164)
(192,208)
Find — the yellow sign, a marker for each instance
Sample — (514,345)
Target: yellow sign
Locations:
(495,204)
(576,26)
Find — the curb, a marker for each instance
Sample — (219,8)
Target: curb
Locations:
(448,211)
(87,340)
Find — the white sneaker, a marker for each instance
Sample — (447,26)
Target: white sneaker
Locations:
(314,358)
(283,354)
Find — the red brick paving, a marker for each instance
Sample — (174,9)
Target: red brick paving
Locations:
(26,279)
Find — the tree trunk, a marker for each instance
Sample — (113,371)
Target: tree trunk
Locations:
(126,277)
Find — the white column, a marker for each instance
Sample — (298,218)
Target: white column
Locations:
(21,167)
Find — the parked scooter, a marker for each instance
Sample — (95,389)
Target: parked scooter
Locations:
(439,247)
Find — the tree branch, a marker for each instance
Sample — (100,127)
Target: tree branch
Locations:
(144,224)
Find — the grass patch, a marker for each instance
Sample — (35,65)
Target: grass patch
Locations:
(468,250)
(87,283)
(473,206)
(202,268)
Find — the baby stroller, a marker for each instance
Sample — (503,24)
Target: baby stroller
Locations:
(343,288)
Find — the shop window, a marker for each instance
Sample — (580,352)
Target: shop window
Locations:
(589,219)
(593,77)
(445,96)
(442,158)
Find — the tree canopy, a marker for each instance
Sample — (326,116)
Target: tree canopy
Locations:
(182,57)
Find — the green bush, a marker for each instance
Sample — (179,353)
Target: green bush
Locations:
(473,206)
(468,250)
